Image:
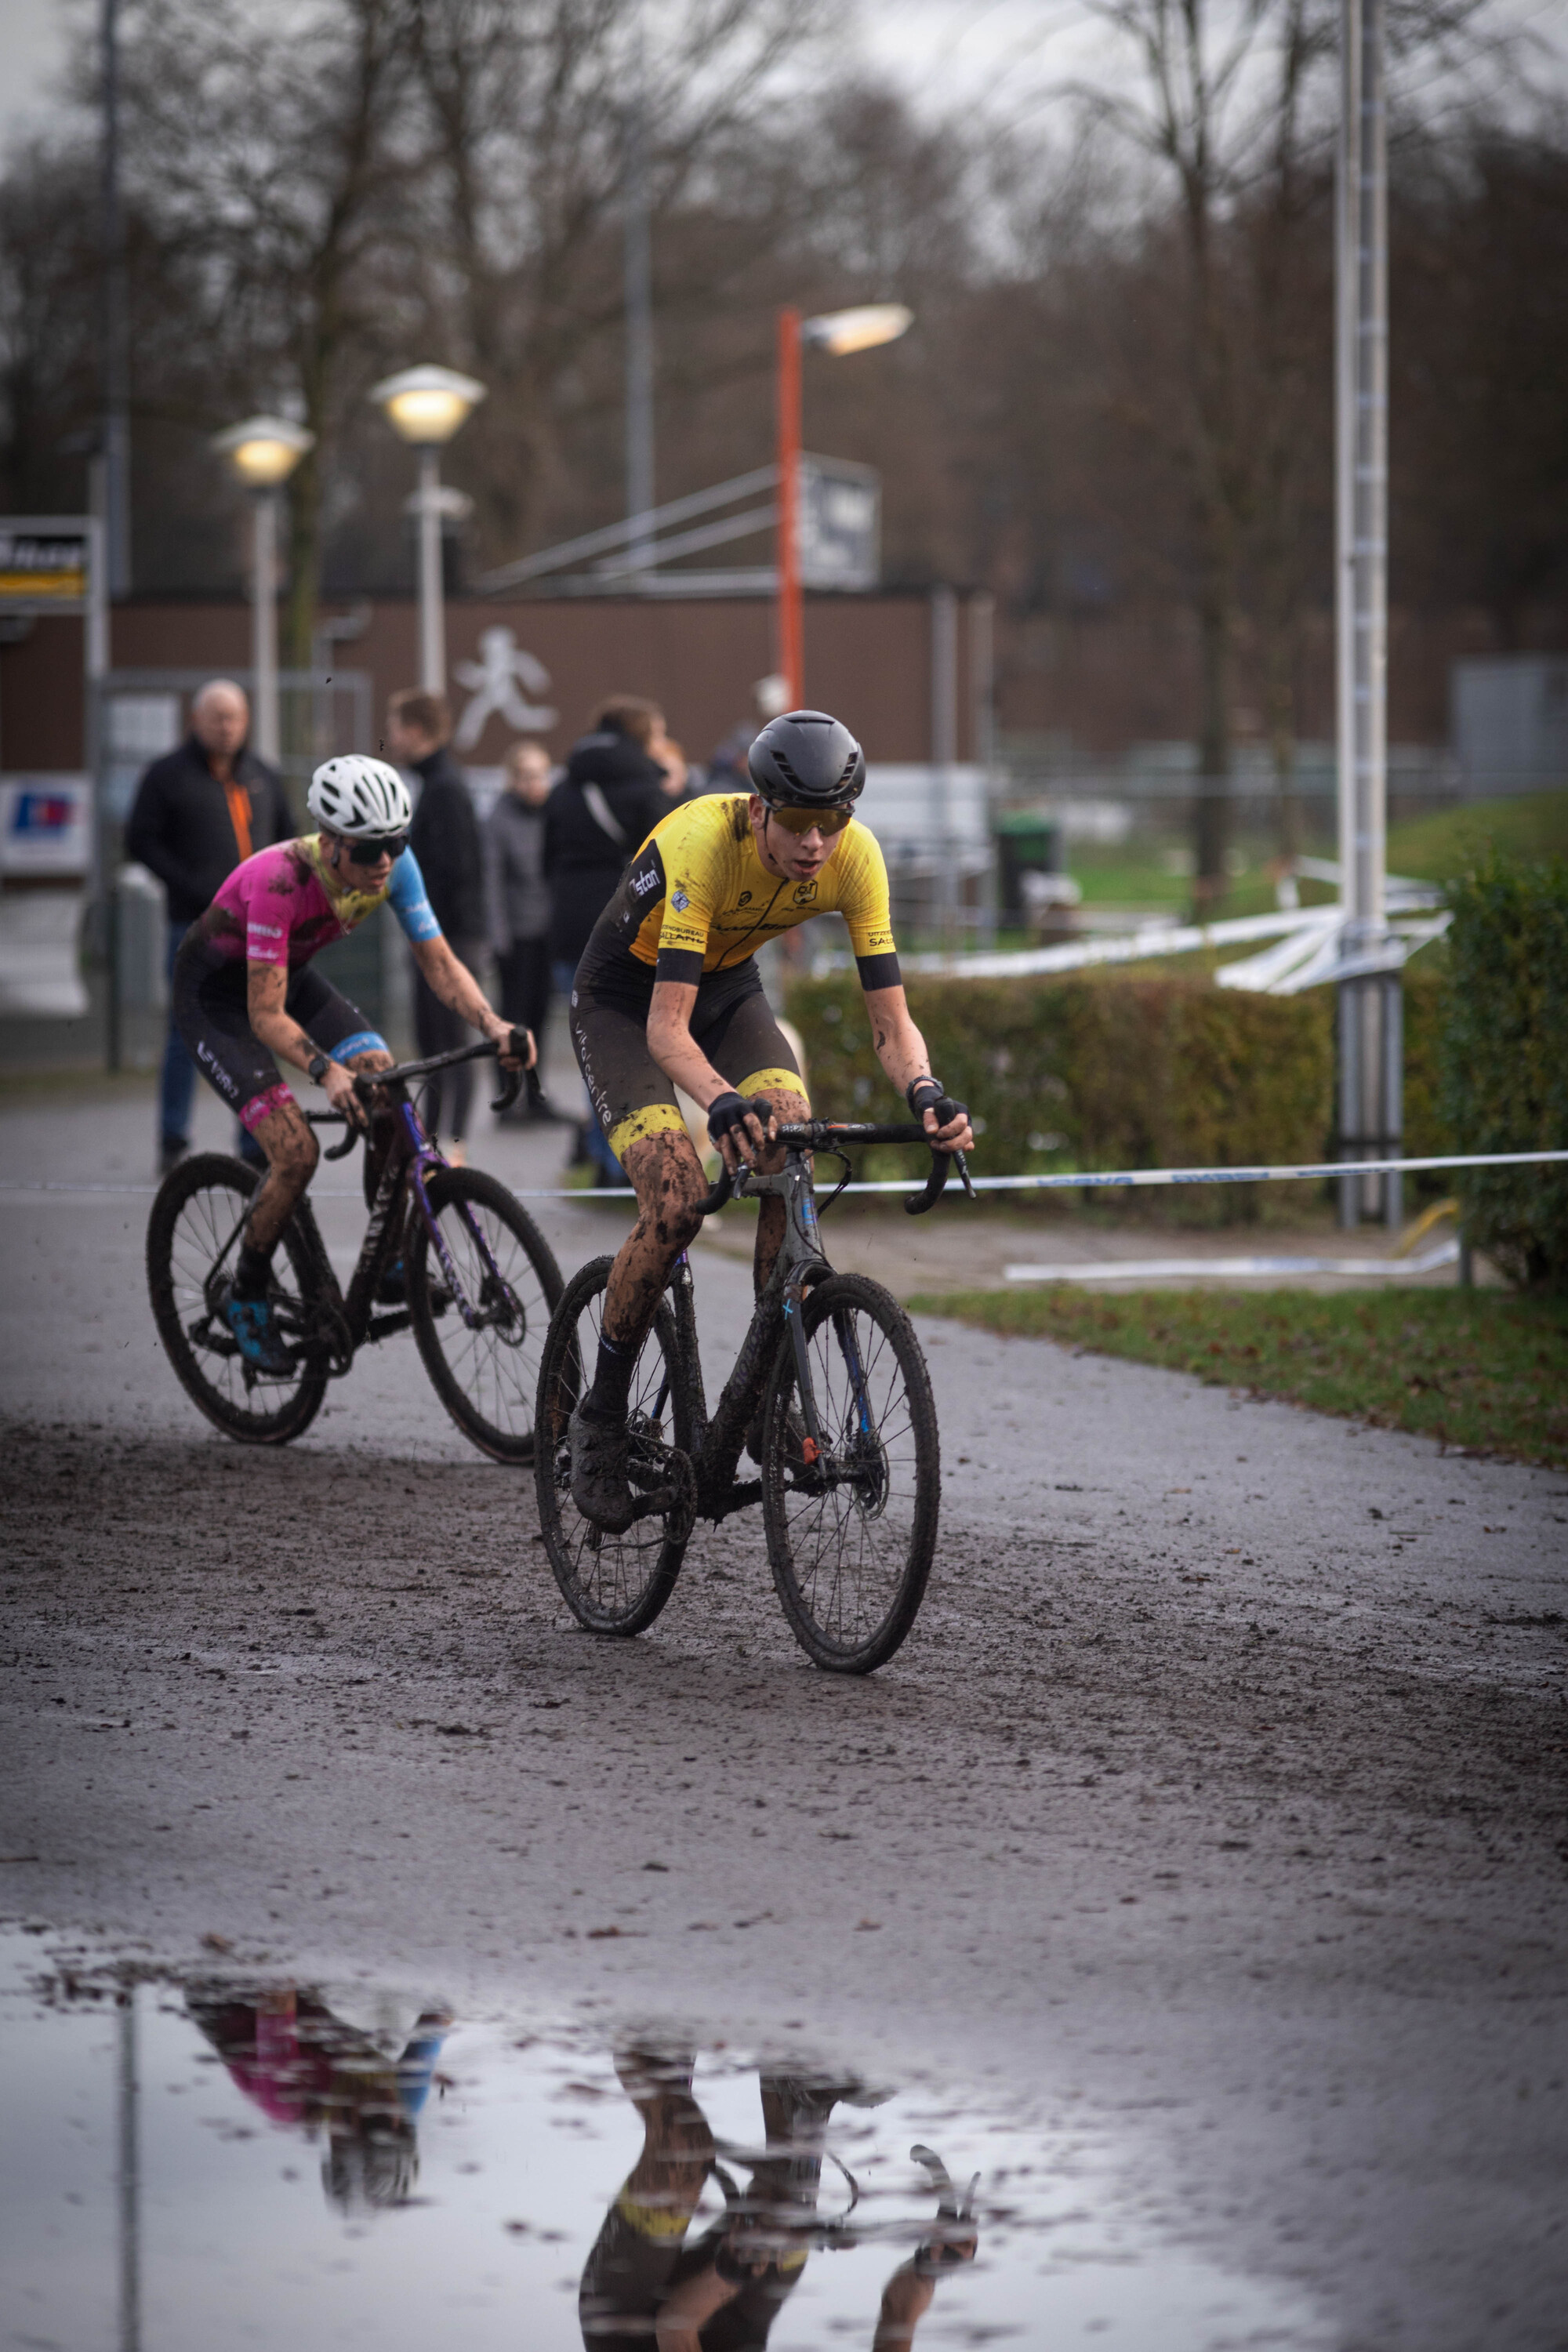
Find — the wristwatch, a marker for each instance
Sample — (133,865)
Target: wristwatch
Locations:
(317,1069)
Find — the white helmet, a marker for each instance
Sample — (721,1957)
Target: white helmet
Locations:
(359,797)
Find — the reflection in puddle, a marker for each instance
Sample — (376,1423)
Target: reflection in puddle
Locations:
(291,2167)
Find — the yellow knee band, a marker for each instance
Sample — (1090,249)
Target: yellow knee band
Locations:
(654,1118)
(774,1082)
(670,2220)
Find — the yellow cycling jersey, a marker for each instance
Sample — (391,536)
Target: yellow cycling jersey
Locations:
(697,899)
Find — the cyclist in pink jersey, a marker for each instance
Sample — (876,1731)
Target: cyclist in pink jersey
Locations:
(244,995)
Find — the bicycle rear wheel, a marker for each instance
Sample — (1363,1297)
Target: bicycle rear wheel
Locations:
(851,1535)
(191,1236)
(487,1375)
(612,1584)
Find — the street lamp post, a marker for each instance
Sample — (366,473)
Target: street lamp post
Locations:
(838,332)
(425,406)
(262,453)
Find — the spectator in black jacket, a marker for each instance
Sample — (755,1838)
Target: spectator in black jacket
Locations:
(520,895)
(444,838)
(605,805)
(199,812)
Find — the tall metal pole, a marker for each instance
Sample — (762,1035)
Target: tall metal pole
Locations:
(1362,575)
(944,752)
(983,699)
(791,616)
(130,2180)
(432,614)
(266,734)
(116,346)
(638,283)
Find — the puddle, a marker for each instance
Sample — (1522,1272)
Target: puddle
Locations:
(239,2160)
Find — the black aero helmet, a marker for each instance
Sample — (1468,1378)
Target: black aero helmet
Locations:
(806,760)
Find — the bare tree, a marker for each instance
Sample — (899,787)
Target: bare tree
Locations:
(1223,102)
(271,165)
(530,107)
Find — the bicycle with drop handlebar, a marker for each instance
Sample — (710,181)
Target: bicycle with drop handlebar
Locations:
(849,1453)
(477,1278)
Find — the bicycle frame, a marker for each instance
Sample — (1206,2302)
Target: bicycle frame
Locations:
(411,1161)
(716,1442)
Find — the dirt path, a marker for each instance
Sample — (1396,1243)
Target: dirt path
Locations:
(1217,1798)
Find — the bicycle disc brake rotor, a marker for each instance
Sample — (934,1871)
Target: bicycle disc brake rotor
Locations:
(501,1311)
(863,1468)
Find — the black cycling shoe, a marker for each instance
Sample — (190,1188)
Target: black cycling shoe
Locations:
(393,1288)
(599,1485)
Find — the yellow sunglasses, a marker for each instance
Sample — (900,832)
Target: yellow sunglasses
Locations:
(801,821)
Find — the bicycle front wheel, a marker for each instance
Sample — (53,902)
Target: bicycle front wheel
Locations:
(483,1363)
(192,1238)
(851,1535)
(612,1584)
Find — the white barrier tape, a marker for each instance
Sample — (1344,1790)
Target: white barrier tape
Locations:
(1081,1180)
(1238,1269)
(1131,1177)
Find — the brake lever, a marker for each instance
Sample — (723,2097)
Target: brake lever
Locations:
(960,1162)
(513,1084)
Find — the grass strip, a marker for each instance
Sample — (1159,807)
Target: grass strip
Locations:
(1482,1370)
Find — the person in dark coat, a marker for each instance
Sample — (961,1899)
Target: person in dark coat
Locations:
(519,893)
(199,812)
(608,802)
(444,838)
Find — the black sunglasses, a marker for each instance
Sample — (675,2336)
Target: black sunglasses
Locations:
(368,848)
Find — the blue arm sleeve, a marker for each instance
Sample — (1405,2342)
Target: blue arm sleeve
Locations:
(409,902)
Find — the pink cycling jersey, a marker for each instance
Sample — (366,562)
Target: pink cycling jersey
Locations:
(276,908)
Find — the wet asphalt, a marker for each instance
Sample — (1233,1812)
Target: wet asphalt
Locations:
(1216,1805)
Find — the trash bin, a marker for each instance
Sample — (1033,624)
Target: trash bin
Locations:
(141,941)
(1026,843)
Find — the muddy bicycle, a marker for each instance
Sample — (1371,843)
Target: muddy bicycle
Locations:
(458,1259)
(851,1479)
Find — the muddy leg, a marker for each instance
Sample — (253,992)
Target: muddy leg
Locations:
(787,1110)
(670,1183)
(292,1152)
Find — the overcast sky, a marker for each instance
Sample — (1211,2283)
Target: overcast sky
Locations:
(1007,52)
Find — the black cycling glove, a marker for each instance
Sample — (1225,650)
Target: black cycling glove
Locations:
(928,1093)
(727,1112)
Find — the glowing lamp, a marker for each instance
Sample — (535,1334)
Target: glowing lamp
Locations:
(424,406)
(264,450)
(842,332)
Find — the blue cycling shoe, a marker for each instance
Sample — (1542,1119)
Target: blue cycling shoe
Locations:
(260,1341)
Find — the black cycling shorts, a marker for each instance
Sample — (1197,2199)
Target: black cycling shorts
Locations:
(213,1017)
(731,1022)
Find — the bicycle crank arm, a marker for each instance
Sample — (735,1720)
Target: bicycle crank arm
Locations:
(384,1327)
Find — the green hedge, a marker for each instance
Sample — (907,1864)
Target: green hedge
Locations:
(1425,1009)
(1102,1070)
(1503,1075)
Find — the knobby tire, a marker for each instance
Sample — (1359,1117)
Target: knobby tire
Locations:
(612,1584)
(488,1379)
(851,1544)
(192,1216)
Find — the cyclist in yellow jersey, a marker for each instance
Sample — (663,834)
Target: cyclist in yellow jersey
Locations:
(668,993)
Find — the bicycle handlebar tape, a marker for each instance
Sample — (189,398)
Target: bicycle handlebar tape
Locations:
(511,1080)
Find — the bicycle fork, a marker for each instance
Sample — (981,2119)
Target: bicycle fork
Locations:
(475,1319)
